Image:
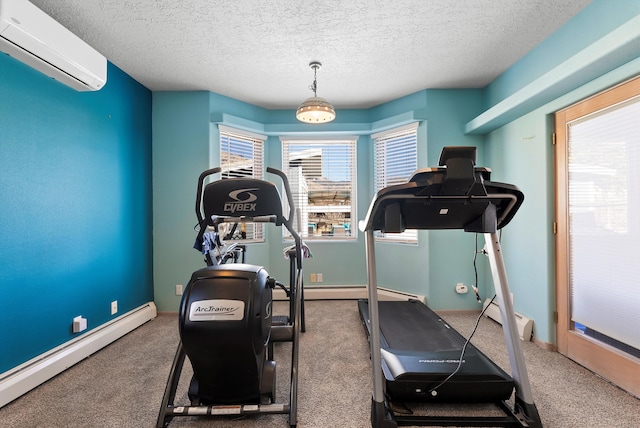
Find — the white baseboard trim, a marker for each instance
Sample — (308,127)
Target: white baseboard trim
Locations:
(349,293)
(38,370)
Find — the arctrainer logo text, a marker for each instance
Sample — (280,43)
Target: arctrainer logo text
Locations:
(243,200)
(216,310)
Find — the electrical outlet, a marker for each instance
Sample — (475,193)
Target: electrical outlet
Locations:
(319,277)
(313,277)
(179,290)
(461,288)
(79,324)
(114,307)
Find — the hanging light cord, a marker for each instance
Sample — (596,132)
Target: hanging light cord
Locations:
(314,85)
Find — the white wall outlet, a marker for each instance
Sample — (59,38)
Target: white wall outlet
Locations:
(319,277)
(79,324)
(461,288)
(114,307)
(178,289)
(313,277)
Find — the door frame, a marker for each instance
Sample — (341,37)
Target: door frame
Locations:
(609,362)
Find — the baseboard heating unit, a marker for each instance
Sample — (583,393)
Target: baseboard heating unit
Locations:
(350,293)
(38,370)
(524,324)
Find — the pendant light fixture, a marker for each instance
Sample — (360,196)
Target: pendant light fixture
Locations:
(315,109)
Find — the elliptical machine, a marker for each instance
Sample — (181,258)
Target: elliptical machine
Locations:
(225,316)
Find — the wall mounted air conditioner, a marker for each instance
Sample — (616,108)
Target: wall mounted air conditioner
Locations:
(33,37)
(524,324)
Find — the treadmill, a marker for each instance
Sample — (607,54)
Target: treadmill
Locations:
(413,350)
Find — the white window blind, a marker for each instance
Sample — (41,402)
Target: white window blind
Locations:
(241,155)
(396,159)
(604,214)
(322,175)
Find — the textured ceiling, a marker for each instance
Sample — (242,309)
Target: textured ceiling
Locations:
(259,51)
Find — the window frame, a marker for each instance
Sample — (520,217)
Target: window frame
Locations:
(382,141)
(335,233)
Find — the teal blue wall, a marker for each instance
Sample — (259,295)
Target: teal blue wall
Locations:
(184,143)
(452,251)
(75,186)
(180,154)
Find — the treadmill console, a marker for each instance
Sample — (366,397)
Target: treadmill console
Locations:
(455,195)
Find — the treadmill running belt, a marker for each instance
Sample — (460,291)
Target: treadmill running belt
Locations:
(414,327)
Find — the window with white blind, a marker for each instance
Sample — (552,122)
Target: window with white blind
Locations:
(396,159)
(241,155)
(322,175)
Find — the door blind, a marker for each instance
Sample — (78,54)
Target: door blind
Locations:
(604,209)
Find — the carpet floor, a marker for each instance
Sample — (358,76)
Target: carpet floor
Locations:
(122,385)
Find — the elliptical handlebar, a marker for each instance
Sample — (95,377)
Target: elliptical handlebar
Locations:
(201,179)
(289,219)
(287,189)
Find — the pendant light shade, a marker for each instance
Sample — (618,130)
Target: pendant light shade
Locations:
(315,109)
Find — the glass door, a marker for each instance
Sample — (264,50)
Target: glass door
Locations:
(598,233)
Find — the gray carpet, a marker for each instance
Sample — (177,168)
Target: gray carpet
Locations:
(122,385)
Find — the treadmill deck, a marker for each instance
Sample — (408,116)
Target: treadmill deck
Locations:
(419,351)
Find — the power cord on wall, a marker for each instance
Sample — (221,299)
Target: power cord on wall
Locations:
(475,269)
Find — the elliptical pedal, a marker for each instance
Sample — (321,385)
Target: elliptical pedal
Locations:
(279,320)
